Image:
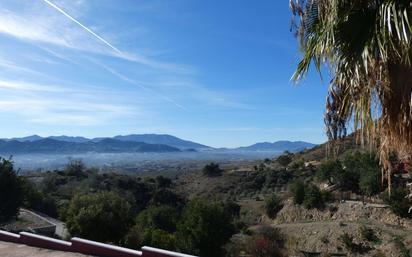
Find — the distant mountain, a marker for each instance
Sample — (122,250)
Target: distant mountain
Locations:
(53,146)
(279,146)
(24,139)
(70,139)
(164,140)
(130,143)
(37,138)
(144,138)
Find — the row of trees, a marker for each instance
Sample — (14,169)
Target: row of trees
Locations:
(199,227)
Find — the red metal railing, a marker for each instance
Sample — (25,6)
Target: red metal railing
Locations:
(84,246)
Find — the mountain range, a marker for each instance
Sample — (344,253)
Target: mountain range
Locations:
(53,146)
(128,143)
(284,145)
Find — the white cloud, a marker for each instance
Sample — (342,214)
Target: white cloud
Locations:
(45,104)
(24,86)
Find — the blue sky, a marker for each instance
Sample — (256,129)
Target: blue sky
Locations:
(215,72)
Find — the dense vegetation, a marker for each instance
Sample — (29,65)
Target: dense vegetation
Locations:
(10,191)
(121,209)
(103,216)
(358,172)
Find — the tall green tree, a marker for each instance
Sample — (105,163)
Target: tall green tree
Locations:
(366,47)
(155,226)
(11,193)
(104,217)
(204,228)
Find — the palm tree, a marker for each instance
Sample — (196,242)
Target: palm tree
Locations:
(366,47)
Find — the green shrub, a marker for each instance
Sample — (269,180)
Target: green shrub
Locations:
(370,182)
(359,166)
(104,217)
(357,171)
(138,237)
(163,182)
(403,250)
(204,228)
(298,192)
(368,234)
(158,217)
(284,159)
(328,171)
(398,202)
(352,247)
(347,242)
(212,170)
(272,206)
(297,165)
(313,197)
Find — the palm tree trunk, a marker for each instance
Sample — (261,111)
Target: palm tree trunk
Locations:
(396,120)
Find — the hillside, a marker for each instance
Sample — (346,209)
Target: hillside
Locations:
(278,146)
(307,231)
(162,139)
(52,146)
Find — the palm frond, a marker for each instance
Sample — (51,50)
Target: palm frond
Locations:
(366,45)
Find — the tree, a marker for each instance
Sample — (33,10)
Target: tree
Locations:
(398,202)
(357,171)
(163,182)
(11,193)
(329,170)
(366,47)
(155,226)
(104,217)
(362,172)
(273,205)
(212,169)
(166,197)
(298,191)
(232,208)
(313,197)
(204,228)
(284,159)
(76,168)
(158,217)
(370,183)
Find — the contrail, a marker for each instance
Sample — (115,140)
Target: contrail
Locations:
(131,81)
(84,27)
(117,51)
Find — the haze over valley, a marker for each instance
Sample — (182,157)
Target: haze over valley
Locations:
(135,152)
